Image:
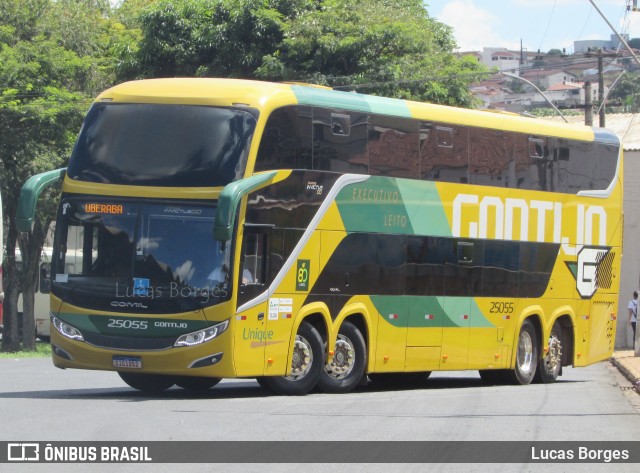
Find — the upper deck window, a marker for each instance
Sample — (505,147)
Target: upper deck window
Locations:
(162,145)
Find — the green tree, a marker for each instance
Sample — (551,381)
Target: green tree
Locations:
(206,37)
(634,43)
(42,101)
(383,47)
(627,93)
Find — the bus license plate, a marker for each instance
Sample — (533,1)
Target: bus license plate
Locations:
(127,362)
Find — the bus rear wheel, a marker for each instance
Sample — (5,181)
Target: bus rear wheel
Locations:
(306,365)
(551,364)
(346,369)
(148,383)
(526,354)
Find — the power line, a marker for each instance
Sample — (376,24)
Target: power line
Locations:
(548,24)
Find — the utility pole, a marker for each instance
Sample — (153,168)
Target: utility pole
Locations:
(601,92)
(601,88)
(588,104)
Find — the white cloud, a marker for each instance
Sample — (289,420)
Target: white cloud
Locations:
(474,27)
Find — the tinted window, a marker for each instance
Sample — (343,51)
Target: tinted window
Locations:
(162,145)
(533,163)
(393,147)
(365,264)
(491,159)
(536,264)
(425,269)
(584,166)
(500,274)
(463,268)
(340,141)
(286,142)
(444,153)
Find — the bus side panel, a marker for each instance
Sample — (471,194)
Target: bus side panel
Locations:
(602,328)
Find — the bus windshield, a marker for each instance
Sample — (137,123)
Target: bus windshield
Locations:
(140,257)
(162,145)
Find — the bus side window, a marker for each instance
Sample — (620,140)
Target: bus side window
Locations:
(45,281)
(253,264)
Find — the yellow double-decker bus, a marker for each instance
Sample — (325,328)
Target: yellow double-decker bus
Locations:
(310,238)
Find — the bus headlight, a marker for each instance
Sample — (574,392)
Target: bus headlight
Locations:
(201,336)
(66,329)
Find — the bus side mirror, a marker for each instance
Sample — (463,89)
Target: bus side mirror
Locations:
(230,199)
(29,194)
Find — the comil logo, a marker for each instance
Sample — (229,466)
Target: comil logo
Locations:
(23,452)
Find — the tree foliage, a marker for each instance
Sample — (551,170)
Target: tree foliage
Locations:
(626,93)
(48,63)
(383,47)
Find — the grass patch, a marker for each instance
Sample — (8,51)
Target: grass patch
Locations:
(42,350)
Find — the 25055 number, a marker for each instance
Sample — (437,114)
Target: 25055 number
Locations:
(501,308)
(128,324)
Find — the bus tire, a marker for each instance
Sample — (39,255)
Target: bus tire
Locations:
(148,383)
(349,362)
(306,365)
(196,383)
(550,365)
(526,354)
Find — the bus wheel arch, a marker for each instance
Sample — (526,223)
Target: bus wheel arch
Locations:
(307,361)
(348,365)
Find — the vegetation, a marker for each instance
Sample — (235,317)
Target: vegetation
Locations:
(41,350)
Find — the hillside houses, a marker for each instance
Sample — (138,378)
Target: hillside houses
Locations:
(559,76)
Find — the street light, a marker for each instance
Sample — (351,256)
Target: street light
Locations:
(539,91)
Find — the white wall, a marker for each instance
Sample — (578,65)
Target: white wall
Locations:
(630,270)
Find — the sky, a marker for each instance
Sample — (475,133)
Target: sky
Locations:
(541,24)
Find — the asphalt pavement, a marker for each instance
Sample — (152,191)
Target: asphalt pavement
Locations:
(629,366)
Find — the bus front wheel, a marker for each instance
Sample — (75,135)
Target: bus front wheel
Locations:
(346,369)
(148,383)
(306,365)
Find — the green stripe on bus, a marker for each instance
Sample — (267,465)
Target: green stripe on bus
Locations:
(397,206)
(350,101)
(429,311)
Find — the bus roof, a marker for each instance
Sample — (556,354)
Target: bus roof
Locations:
(267,96)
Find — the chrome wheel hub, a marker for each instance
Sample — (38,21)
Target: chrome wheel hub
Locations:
(553,359)
(525,353)
(302,359)
(343,359)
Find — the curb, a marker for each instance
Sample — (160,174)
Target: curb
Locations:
(628,372)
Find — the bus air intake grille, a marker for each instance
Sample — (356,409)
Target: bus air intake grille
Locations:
(604,276)
(121,343)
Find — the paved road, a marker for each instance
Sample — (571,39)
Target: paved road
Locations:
(40,402)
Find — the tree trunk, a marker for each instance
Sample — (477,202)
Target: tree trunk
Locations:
(31,250)
(28,320)
(10,336)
